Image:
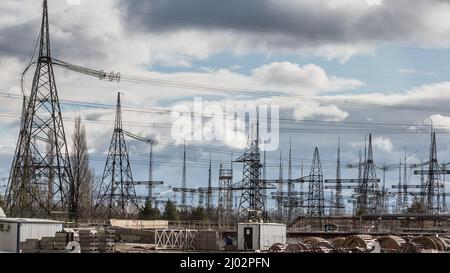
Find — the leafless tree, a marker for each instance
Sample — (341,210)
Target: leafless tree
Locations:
(82,175)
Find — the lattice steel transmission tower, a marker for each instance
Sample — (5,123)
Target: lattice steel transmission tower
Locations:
(117,197)
(369,196)
(40,182)
(338,199)
(252,198)
(316,199)
(434,191)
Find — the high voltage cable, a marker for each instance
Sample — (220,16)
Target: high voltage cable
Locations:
(168,112)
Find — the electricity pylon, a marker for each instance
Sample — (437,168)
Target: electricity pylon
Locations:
(117,196)
(40,182)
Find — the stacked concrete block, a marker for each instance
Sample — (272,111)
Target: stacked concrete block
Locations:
(88,241)
(97,241)
(47,243)
(30,246)
(105,240)
(62,239)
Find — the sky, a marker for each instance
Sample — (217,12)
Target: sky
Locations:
(335,69)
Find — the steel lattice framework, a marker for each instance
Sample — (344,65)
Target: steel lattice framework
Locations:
(117,192)
(316,199)
(252,198)
(435,200)
(40,178)
(369,196)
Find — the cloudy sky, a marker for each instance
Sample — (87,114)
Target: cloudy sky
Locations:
(342,68)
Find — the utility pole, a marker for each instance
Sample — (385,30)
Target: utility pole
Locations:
(339,201)
(290,183)
(405,184)
(183,180)
(209,192)
(152,142)
(280,193)
(399,203)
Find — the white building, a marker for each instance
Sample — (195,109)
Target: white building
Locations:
(16,230)
(260,236)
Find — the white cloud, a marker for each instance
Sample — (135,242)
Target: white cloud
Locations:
(383,143)
(309,78)
(439,121)
(315,110)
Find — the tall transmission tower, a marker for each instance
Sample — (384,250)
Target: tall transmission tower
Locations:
(316,199)
(434,187)
(339,200)
(40,182)
(369,197)
(117,192)
(252,199)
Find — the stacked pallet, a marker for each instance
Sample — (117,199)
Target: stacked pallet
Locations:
(97,241)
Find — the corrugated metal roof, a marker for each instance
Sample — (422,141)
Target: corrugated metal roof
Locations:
(29,220)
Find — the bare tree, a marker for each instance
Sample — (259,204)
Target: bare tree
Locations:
(82,175)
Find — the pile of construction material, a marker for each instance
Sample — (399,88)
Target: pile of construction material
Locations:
(97,241)
(368,244)
(47,244)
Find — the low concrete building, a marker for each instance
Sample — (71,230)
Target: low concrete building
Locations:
(260,236)
(16,230)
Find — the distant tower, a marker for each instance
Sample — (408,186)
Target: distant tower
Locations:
(316,199)
(40,182)
(434,187)
(183,180)
(264,177)
(225,195)
(405,184)
(209,192)
(252,199)
(399,200)
(339,201)
(280,192)
(369,197)
(290,184)
(117,193)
